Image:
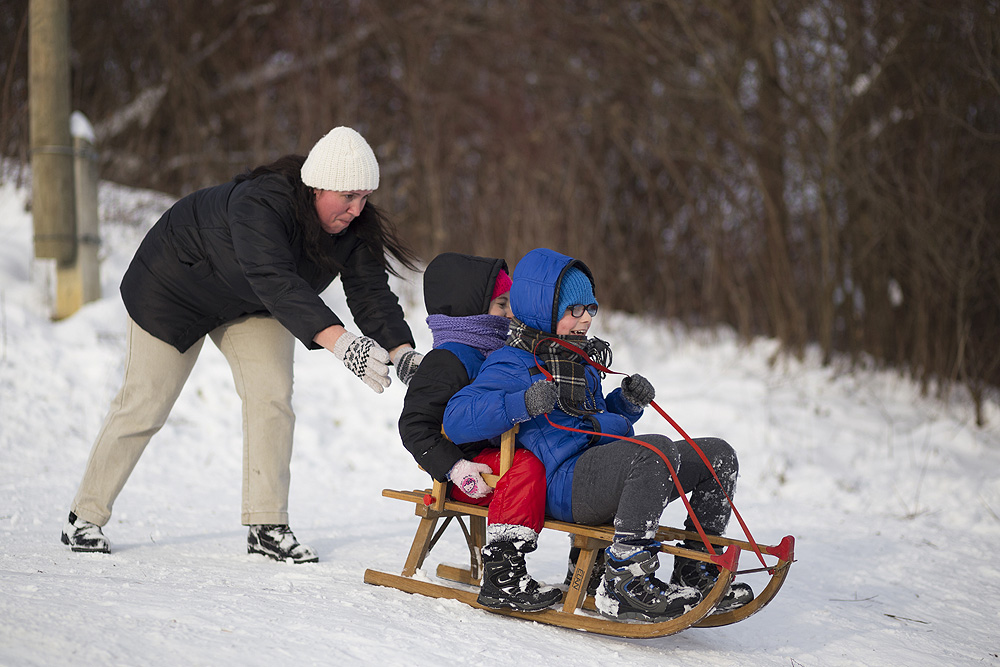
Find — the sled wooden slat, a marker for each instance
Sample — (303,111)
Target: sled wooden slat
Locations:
(604,533)
(557,617)
(432,506)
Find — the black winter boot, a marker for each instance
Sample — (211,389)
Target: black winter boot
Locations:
(596,573)
(630,591)
(84,536)
(701,575)
(278,542)
(506,582)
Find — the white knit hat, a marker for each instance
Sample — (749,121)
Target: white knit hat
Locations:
(342,161)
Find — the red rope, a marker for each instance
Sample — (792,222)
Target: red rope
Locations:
(670,467)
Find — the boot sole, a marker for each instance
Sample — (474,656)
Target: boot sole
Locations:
(84,550)
(644,617)
(289,559)
(723,607)
(496,603)
(499,604)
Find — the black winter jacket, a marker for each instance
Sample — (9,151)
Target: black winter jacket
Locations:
(237,249)
(458,286)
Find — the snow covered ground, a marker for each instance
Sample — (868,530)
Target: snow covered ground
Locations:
(893,499)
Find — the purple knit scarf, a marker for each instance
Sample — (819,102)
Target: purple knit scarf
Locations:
(485,333)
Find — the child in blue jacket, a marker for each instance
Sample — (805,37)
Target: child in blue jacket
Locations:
(467,301)
(593,478)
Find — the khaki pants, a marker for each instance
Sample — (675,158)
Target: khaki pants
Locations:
(260,353)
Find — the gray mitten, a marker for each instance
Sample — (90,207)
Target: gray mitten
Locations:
(406,363)
(637,390)
(365,358)
(541,397)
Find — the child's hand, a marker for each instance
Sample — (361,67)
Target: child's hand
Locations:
(637,390)
(406,362)
(541,397)
(468,476)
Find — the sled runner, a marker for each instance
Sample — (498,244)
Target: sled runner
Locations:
(577,610)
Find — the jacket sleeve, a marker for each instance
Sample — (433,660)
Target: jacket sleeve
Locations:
(262,224)
(616,403)
(375,308)
(438,377)
(491,405)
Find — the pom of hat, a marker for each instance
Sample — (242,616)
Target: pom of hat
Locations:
(502,285)
(575,288)
(343,161)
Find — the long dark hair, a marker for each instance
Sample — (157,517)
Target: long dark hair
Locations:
(373,227)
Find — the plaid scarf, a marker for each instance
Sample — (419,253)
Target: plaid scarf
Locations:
(568,368)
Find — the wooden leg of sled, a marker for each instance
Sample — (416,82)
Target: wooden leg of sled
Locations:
(477,526)
(421,543)
(577,593)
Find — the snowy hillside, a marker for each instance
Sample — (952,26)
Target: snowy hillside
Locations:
(893,499)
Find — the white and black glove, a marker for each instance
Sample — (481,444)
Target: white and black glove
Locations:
(637,390)
(468,476)
(365,358)
(541,397)
(406,362)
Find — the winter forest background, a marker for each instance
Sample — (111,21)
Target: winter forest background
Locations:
(816,171)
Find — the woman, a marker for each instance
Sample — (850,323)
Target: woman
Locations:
(244,263)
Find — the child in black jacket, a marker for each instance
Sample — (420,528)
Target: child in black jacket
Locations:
(467,301)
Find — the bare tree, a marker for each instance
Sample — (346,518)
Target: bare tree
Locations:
(819,171)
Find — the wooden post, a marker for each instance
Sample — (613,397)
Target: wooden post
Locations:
(87,223)
(51,144)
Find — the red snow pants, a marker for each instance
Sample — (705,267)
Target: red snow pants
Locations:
(519,498)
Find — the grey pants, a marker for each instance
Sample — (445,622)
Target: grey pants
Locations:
(631,485)
(260,353)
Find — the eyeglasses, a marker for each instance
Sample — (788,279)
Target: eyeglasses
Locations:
(576,310)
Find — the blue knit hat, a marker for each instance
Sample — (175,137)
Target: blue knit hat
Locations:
(575,288)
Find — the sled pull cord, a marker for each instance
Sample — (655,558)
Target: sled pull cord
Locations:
(673,473)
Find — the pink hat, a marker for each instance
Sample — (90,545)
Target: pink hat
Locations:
(502,285)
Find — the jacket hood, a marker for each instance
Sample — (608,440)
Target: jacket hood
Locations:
(537,279)
(460,285)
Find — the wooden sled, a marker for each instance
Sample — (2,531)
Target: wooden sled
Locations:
(577,610)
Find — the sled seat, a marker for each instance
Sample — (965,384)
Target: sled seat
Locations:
(432,505)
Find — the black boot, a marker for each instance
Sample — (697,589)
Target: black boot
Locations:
(84,536)
(506,582)
(701,575)
(630,591)
(278,542)
(596,573)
